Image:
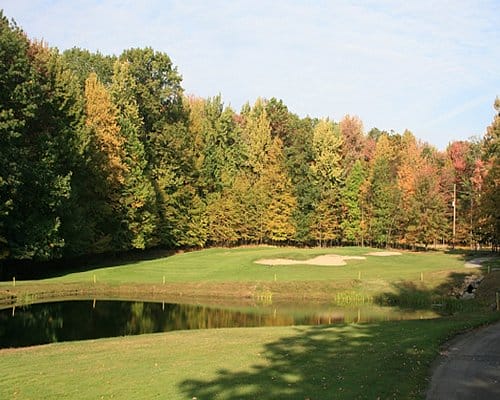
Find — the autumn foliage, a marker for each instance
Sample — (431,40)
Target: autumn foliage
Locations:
(104,154)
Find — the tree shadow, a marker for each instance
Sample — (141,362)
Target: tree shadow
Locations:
(31,270)
(445,299)
(354,361)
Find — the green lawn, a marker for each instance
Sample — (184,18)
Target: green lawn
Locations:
(237,265)
(388,360)
(358,361)
(232,273)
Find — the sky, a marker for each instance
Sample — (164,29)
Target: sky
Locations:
(432,67)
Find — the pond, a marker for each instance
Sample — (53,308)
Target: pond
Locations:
(42,323)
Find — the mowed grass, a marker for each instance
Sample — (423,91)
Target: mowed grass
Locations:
(238,265)
(232,273)
(389,360)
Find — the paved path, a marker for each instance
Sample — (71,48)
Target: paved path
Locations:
(469,368)
(477,262)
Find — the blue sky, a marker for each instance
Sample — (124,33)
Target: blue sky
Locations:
(432,67)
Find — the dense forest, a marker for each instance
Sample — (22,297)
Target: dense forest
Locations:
(104,154)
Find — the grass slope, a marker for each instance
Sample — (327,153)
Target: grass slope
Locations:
(357,361)
(365,361)
(237,265)
(233,274)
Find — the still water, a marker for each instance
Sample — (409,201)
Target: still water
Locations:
(92,319)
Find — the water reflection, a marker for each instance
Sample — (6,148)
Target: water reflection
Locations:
(91,319)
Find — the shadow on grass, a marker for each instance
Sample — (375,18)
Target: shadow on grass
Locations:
(388,360)
(444,299)
(31,270)
(354,361)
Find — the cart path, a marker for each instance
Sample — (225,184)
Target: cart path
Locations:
(469,368)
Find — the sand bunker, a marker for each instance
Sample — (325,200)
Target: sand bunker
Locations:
(327,259)
(384,253)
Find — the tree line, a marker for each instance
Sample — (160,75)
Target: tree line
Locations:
(107,154)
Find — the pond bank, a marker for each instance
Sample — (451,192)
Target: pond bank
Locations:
(225,292)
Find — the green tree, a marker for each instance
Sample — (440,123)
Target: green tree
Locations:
(299,160)
(179,208)
(222,151)
(352,204)
(382,195)
(158,88)
(83,62)
(37,118)
(137,198)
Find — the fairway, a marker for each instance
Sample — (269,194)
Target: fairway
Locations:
(235,274)
(370,360)
(387,360)
(239,265)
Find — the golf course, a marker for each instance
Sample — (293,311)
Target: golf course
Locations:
(249,201)
(342,359)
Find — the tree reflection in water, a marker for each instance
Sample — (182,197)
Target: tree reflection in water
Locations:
(92,319)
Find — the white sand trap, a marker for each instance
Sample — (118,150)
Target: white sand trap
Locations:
(327,259)
(384,253)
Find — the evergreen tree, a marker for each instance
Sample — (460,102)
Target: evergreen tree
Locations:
(382,196)
(299,159)
(36,147)
(137,196)
(352,204)
(222,152)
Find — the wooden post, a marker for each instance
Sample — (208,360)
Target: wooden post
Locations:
(93,304)
(498,301)
(421,277)
(14,310)
(14,281)
(454,213)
